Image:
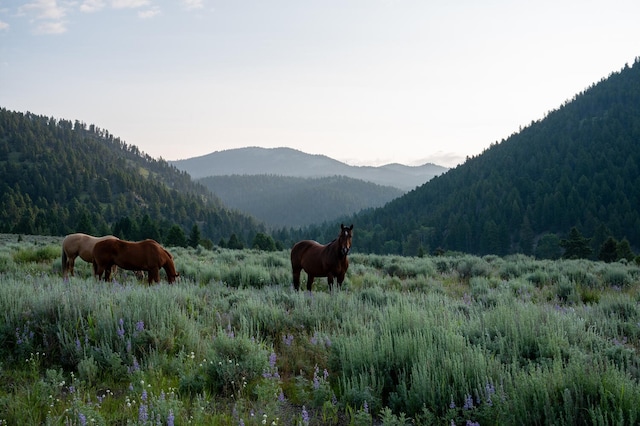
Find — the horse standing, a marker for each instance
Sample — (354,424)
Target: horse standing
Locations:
(317,260)
(79,244)
(146,255)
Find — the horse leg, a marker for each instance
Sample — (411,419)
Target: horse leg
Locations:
(107,272)
(70,262)
(97,271)
(296,278)
(340,280)
(154,275)
(310,279)
(330,281)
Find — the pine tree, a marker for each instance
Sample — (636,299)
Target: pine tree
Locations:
(576,246)
(609,250)
(194,236)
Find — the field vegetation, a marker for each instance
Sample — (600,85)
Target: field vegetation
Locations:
(448,340)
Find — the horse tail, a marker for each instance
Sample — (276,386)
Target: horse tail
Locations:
(64,262)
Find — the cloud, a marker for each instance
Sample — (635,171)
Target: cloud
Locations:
(3,26)
(47,15)
(149,13)
(129,4)
(43,10)
(90,6)
(193,4)
(52,27)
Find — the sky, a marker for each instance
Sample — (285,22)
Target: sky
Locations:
(367,82)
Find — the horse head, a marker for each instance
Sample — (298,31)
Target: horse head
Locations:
(344,240)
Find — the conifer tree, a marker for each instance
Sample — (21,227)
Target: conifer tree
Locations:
(576,246)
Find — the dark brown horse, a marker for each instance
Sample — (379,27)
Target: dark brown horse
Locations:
(146,255)
(317,260)
(79,244)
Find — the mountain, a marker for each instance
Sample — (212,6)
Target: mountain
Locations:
(577,167)
(59,177)
(281,201)
(294,163)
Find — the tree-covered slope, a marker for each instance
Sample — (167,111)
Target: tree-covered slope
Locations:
(58,177)
(282,201)
(579,166)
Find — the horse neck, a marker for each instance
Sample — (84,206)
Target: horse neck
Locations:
(334,248)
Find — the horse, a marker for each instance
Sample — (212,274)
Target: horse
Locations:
(79,244)
(317,260)
(146,255)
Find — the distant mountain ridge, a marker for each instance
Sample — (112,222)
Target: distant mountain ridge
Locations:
(294,163)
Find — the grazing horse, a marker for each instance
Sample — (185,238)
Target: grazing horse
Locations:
(317,260)
(74,245)
(146,255)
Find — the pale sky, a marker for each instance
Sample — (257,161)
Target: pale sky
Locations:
(361,81)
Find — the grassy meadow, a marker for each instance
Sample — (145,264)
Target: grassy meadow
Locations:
(448,340)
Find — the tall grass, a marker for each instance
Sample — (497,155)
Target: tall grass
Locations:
(445,340)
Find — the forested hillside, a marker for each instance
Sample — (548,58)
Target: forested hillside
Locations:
(577,167)
(282,201)
(58,177)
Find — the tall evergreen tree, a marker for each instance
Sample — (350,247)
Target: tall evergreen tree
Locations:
(176,237)
(609,250)
(575,245)
(194,236)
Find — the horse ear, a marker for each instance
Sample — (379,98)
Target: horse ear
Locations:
(351,227)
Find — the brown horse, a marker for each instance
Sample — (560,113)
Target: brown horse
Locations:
(317,260)
(74,245)
(146,255)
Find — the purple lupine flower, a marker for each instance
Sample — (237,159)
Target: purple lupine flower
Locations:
(170,418)
(316,379)
(452,404)
(468,402)
(140,326)
(272,360)
(288,339)
(136,366)
(143,415)
(314,339)
(121,328)
(470,423)
(366,407)
(325,374)
(78,344)
(281,396)
(305,416)
(144,395)
(82,419)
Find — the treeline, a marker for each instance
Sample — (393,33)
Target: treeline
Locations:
(58,177)
(577,167)
(284,201)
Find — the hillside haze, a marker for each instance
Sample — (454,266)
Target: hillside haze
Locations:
(281,201)
(294,163)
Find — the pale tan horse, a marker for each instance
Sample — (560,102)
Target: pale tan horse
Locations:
(79,244)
